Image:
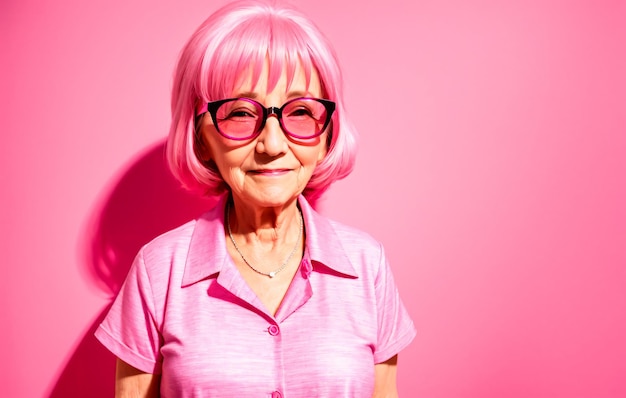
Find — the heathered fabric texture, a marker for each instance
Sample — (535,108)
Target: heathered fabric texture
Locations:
(185,312)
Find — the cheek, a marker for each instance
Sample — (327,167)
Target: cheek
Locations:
(311,154)
(229,162)
(224,152)
(308,157)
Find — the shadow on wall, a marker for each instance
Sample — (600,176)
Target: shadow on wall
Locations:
(145,202)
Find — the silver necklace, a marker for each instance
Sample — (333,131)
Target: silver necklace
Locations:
(272,273)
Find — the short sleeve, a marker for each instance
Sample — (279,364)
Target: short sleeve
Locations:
(130,330)
(395,327)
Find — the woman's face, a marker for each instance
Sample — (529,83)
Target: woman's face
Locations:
(271,169)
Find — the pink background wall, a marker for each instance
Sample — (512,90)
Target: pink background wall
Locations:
(494,171)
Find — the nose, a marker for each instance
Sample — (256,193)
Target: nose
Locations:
(272,140)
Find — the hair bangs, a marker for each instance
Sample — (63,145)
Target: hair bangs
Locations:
(288,50)
(243,52)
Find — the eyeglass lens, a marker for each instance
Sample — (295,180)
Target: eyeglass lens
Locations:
(242,118)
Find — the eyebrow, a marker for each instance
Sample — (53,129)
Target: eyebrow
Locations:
(291,94)
(246,94)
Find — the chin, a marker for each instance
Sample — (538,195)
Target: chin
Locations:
(269,199)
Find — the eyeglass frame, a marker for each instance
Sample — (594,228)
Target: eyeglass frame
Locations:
(213,106)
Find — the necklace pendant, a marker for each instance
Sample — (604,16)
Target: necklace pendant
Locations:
(272,274)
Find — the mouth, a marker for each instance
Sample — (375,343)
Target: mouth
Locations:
(269,172)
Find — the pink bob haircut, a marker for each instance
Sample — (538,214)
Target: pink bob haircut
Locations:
(237,39)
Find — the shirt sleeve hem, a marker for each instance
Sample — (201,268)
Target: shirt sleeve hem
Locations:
(124,353)
(391,350)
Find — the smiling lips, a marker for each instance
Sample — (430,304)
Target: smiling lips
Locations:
(269,172)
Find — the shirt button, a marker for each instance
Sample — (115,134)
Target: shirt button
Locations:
(277,394)
(274,331)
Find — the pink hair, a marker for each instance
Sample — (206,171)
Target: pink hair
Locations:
(237,37)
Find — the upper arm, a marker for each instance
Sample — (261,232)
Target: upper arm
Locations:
(131,382)
(385,378)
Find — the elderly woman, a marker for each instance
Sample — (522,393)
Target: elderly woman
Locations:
(261,296)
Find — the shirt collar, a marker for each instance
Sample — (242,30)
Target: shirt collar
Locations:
(207,253)
(322,242)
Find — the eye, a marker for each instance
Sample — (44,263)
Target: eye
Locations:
(300,111)
(240,113)
(238,110)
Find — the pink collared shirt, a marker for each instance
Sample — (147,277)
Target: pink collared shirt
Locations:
(186,313)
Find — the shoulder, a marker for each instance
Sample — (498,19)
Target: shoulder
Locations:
(346,249)
(168,244)
(188,253)
(355,238)
(365,253)
(325,233)
(176,243)
(164,256)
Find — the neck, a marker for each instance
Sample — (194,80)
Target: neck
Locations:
(264,224)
